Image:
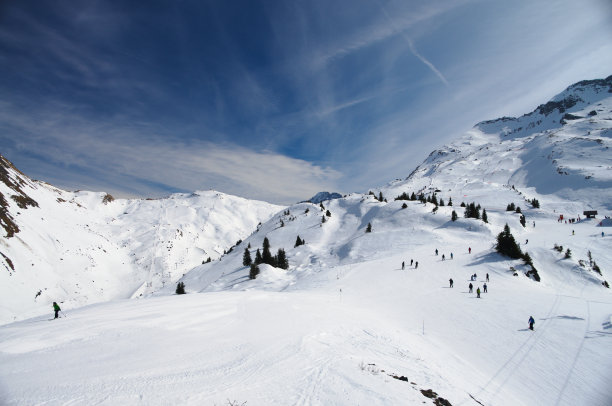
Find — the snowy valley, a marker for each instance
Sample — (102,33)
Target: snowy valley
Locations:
(352,320)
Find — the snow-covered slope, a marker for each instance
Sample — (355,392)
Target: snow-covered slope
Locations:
(83,247)
(353,320)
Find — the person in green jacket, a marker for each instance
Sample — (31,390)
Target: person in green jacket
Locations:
(56,308)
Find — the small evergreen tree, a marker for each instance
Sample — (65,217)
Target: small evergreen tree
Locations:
(404,206)
(298,242)
(568,253)
(454,216)
(266,255)
(510,207)
(441,202)
(413,196)
(258,258)
(522,220)
(281,259)
(246,258)
(484,216)
(180,288)
(369,228)
(450,201)
(462,204)
(506,244)
(328,213)
(535,203)
(254,271)
(518,209)
(380,197)
(323,219)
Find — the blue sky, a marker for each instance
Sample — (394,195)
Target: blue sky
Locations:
(273,100)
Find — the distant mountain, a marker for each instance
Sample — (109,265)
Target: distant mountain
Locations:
(323,196)
(85,247)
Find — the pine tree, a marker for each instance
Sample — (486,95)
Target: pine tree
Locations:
(510,207)
(522,220)
(180,288)
(462,204)
(369,228)
(281,259)
(535,203)
(568,253)
(454,216)
(506,244)
(246,257)
(404,206)
(450,201)
(266,255)
(484,216)
(328,213)
(258,258)
(323,219)
(254,271)
(380,197)
(518,209)
(413,196)
(441,202)
(298,242)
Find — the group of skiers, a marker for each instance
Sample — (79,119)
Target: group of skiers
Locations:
(412,261)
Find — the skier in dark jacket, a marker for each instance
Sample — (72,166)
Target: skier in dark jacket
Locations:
(471,287)
(485,288)
(56,308)
(402,265)
(531,322)
(450,281)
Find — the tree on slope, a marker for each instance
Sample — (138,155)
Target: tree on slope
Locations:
(254,271)
(266,255)
(506,244)
(246,258)
(180,288)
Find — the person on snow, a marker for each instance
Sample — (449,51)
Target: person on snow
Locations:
(443,258)
(487,277)
(411,262)
(402,265)
(478,292)
(436,251)
(531,322)
(451,255)
(450,281)
(470,287)
(485,288)
(469,250)
(416,265)
(57,309)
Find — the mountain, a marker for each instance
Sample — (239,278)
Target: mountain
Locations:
(369,317)
(323,196)
(85,247)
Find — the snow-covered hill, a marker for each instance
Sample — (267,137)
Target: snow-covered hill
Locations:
(353,320)
(84,247)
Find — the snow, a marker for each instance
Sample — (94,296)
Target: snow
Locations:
(344,321)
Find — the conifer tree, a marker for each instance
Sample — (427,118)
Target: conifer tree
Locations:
(246,258)
(568,253)
(266,255)
(484,216)
(462,204)
(323,219)
(506,244)
(180,288)
(369,228)
(454,216)
(380,197)
(258,258)
(441,202)
(298,242)
(281,259)
(413,196)
(522,220)
(254,271)
(450,201)
(404,206)
(328,213)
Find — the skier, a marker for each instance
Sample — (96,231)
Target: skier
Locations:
(469,250)
(487,277)
(485,288)
(478,292)
(411,261)
(402,265)
(450,281)
(531,322)
(526,241)
(451,255)
(416,265)
(436,251)
(573,232)
(443,257)
(471,287)
(56,308)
